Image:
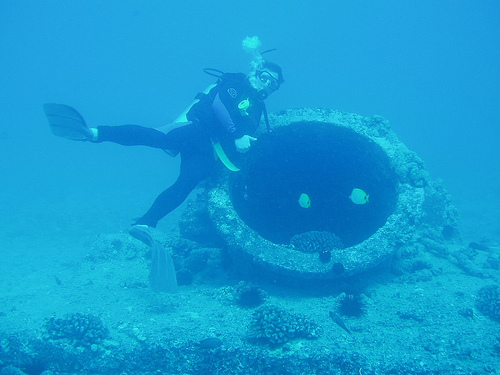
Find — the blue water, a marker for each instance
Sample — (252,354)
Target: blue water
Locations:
(430,68)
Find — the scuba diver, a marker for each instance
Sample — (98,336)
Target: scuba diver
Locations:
(222,119)
(219,122)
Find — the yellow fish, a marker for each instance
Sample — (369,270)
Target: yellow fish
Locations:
(304,200)
(358,196)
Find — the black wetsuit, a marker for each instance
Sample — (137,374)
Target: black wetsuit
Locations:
(215,117)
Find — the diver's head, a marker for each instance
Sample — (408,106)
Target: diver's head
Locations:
(266,79)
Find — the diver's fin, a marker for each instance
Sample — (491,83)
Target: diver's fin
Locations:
(162,275)
(142,233)
(66,122)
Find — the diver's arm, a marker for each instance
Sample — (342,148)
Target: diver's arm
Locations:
(223,116)
(243,142)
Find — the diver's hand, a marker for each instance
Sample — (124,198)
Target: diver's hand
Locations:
(243,144)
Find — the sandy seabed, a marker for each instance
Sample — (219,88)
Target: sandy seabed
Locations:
(421,322)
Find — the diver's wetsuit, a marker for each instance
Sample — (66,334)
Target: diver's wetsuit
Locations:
(215,117)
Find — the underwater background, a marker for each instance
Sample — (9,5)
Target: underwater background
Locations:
(430,68)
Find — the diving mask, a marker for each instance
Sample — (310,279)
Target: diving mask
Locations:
(268,79)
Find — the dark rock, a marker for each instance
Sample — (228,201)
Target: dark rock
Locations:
(338,268)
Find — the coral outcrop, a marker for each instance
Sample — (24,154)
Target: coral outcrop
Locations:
(275,326)
(78,329)
(488,301)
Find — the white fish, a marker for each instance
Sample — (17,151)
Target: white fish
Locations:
(304,200)
(358,196)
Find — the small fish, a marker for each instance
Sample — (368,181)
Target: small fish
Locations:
(304,200)
(58,280)
(358,196)
(337,319)
(210,343)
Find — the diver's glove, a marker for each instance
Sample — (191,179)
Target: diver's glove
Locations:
(243,144)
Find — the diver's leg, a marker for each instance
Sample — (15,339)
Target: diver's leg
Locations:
(166,202)
(133,135)
(197,162)
(192,136)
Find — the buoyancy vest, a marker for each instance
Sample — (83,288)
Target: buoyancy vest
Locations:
(236,91)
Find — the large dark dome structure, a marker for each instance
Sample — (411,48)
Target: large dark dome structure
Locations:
(324,154)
